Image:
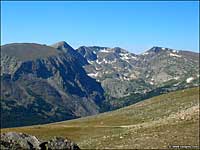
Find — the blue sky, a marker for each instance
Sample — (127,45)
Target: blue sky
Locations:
(135,26)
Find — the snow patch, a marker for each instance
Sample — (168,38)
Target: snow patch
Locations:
(174,55)
(98,62)
(126,56)
(151,83)
(93,74)
(90,62)
(98,69)
(114,61)
(145,53)
(174,51)
(106,61)
(188,80)
(176,78)
(163,48)
(133,57)
(109,61)
(176,84)
(104,50)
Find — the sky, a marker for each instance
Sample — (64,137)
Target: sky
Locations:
(135,26)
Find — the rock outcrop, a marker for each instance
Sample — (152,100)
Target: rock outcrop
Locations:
(21,141)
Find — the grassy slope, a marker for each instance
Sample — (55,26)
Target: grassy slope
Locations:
(169,119)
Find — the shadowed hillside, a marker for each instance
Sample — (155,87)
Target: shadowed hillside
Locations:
(40,84)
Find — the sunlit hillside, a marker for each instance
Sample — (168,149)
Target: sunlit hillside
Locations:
(159,122)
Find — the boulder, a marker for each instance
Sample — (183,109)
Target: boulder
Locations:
(59,143)
(13,140)
(21,141)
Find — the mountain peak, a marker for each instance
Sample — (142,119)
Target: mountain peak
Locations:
(62,45)
(158,48)
(118,50)
(67,49)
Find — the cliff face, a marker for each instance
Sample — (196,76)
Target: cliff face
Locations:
(46,86)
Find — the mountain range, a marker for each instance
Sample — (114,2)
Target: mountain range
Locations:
(42,84)
(128,78)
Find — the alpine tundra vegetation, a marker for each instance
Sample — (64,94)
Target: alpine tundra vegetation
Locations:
(156,123)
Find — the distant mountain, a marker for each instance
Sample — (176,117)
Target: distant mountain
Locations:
(41,84)
(125,75)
